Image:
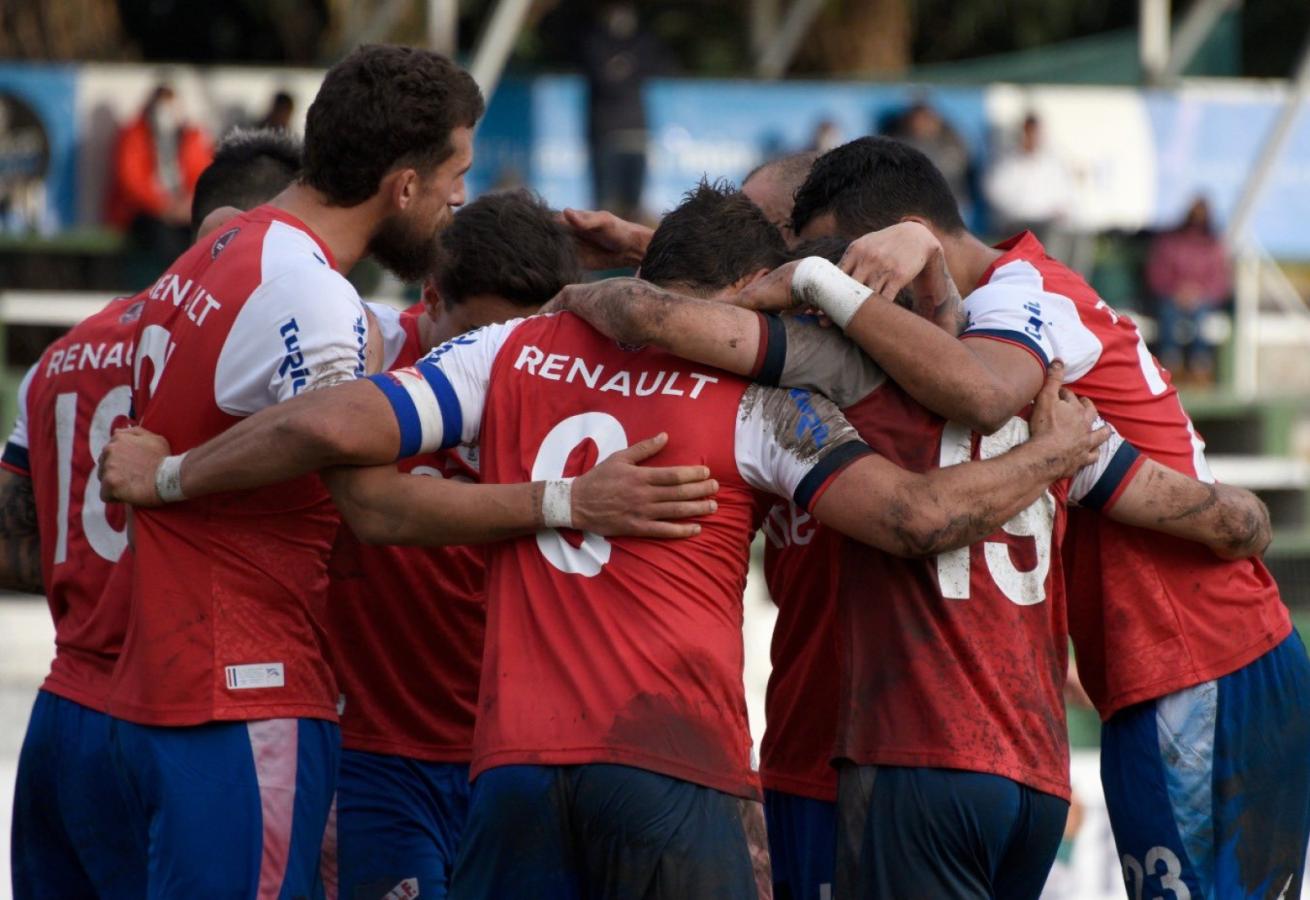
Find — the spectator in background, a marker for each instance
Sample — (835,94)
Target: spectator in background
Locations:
(1189,274)
(617,58)
(280,111)
(156,161)
(1029,187)
(924,129)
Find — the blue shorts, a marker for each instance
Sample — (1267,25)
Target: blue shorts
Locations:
(918,832)
(1209,787)
(70,837)
(568,832)
(398,825)
(232,809)
(802,845)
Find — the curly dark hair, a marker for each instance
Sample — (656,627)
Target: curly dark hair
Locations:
(381,107)
(873,182)
(250,167)
(713,238)
(507,244)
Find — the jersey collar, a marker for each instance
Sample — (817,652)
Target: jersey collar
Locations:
(1023,245)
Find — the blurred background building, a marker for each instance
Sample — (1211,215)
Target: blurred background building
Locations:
(1160,146)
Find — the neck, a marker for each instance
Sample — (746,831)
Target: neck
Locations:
(432,333)
(967,258)
(345,229)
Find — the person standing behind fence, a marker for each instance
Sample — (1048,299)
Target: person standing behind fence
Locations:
(157,158)
(1189,274)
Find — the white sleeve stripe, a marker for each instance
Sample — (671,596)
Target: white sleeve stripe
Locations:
(431,426)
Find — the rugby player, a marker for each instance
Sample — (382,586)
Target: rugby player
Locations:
(221,667)
(930,721)
(69,834)
(404,625)
(1176,647)
(611,751)
(772,187)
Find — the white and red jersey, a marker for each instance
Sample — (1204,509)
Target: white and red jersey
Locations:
(956,661)
(228,590)
(405,624)
(617,651)
(1149,614)
(68,405)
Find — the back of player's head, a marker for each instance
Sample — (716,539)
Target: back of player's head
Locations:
(507,244)
(790,170)
(873,182)
(249,168)
(715,237)
(379,108)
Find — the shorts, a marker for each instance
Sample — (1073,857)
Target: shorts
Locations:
(919,832)
(802,845)
(232,809)
(71,836)
(398,826)
(607,831)
(1208,788)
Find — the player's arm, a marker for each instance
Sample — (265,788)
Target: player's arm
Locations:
(1232,522)
(604,241)
(20,539)
(388,417)
(632,311)
(912,514)
(871,499)
(979,383)
(618,497)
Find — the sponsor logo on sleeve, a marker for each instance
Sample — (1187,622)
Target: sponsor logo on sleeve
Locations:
(293,364)
(1033,327)
(808,423)
(222,241)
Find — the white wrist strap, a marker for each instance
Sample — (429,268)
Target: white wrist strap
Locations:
(168,479)
(818,283)
(557,503)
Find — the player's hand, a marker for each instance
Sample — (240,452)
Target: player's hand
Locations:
(1066,425)
(127,467)
(619,497)
(903,255)
(772,293)
(604,241)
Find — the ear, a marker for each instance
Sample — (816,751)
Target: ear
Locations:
(431,298)
(400,188)
(746,280)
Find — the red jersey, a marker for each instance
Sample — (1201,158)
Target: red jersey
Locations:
(69,404)
(1149,614)
(801,562)
(227,591)
(405,624)
(617,651)
(957,661)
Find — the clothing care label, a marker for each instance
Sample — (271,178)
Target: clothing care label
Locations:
(255,675)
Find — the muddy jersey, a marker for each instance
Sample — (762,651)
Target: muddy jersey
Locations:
(228,590)
(621,650)
(68,405)
(1149,614)
(405,624)
(955,661)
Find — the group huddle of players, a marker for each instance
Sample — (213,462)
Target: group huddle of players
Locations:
(448,601)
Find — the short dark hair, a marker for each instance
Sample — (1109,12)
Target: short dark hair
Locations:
(873,182)
(713,238)
(381,107)
(250,167)
(507,244)
(832,248)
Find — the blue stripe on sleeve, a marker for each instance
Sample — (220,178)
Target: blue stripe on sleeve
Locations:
(1017,337)
(830,465)
(775,352)
(16,457)
(411,432)
(1111,478)
(452,417)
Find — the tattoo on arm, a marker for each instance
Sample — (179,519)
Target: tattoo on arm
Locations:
(20,558)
